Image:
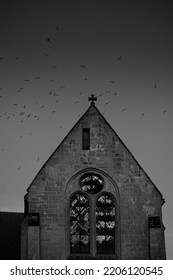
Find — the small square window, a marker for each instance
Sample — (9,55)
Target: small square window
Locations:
(86,139)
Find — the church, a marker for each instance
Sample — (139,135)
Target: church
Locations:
(92,200)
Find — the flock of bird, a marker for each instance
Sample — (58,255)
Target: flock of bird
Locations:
(23,112)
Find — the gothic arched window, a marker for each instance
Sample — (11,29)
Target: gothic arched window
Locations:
(79,224)
(105,224)
(92,218)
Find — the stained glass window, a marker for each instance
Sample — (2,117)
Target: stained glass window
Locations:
(105,224)
(91,183)
(79,224)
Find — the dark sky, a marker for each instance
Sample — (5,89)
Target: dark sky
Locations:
(121,51)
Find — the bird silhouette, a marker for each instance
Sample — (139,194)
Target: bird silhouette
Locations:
(119,58)
(155,85)
(124,109)
(1,59)
(115,93)
(54,66)
(63,86)
(85,79)
(83,66)
(53,112)
(57,28)
(36,117)
(19,168)
(46,54)
(37,78)
(49,40)
(1,96)
(26,80)
(52,81)
(112,82)
(108,91)
(142,114)
(42,106)
(164,112)
(76,102)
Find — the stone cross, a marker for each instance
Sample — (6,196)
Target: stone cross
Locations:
(92,99)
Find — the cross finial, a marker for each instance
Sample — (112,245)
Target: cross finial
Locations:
(92,99)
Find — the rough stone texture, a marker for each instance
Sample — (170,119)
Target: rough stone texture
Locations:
(137,198)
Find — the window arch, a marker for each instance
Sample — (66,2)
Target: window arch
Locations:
(79,224)
(93,219)
(105,224)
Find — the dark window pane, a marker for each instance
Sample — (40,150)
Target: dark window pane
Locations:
(86,139)
(79,224)
(105,225)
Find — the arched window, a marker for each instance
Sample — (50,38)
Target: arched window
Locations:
(79,224)
(105,224)
(92,219)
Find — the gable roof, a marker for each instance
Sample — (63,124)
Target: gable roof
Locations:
(93,108)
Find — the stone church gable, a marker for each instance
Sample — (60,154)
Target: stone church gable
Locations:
(92,151)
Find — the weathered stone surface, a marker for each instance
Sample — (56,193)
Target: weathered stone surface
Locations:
(137,198)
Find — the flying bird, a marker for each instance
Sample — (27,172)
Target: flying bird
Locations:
(46,54)
(53,112)
(26,80)
(82,65)
(164,112)
(112,82)
(36,117)
(1,58)
(115,93)
(119,58)
(85,79)
(62,86)
(142,114)
(37,78)
(155,85)
(52,81)
(124,109)
(57,28)
(42,106)
(49,40)
(1,96)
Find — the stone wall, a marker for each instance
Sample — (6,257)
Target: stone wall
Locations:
(137,197)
